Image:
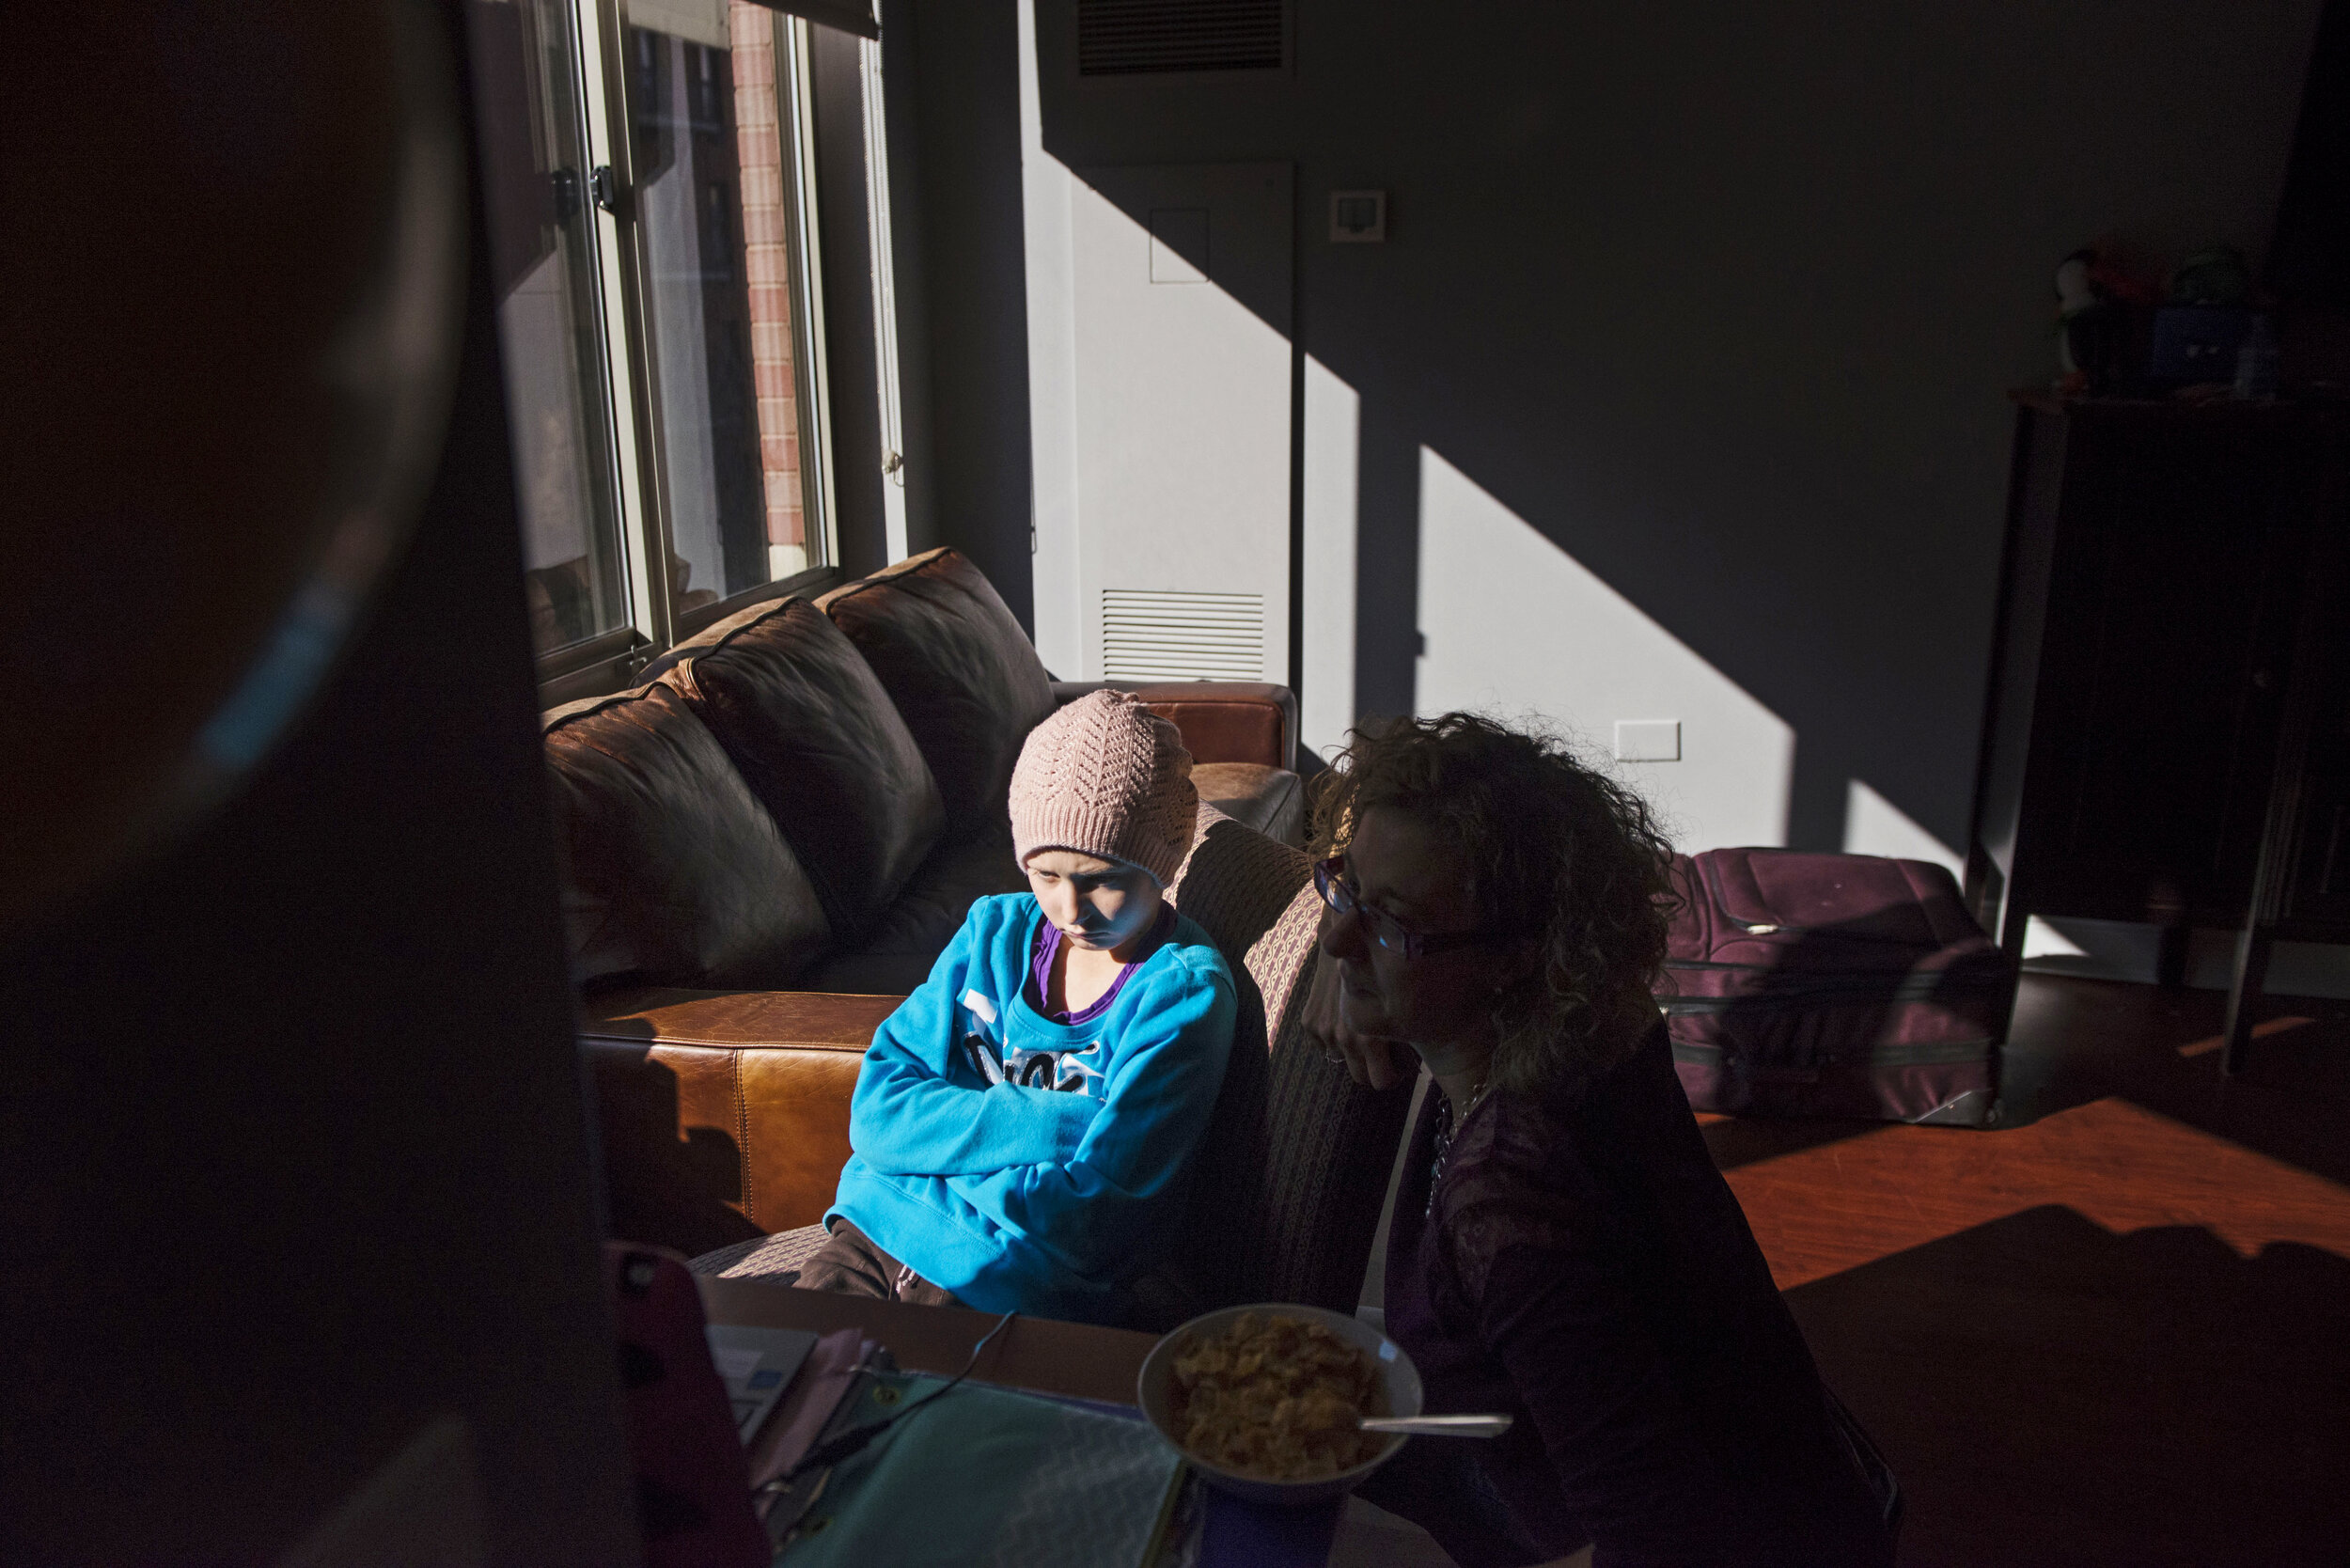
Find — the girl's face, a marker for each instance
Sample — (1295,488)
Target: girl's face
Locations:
(1101,906)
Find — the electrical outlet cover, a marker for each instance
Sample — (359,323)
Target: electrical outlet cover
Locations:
(1648,740)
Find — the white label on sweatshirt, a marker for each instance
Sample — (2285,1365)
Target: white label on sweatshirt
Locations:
(982,1008)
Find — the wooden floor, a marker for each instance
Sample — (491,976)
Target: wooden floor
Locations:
(2115,1330)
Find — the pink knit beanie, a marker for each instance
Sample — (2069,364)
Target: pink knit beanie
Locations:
(1106,776)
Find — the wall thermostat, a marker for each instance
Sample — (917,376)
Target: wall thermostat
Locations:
(1359,217)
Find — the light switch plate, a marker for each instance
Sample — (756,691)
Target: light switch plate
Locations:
(1648,740)
(1359,217)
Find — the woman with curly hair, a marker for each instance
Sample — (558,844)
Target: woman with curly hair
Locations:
(1562,1248)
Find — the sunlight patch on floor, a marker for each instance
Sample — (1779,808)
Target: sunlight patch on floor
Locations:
(2260,1031)
(1818,1212)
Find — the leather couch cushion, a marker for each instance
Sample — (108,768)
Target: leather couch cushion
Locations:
(898,952)
(820,744)
(674,873)
(960,669)
(734,1108)
(1222,721)
(1271,800)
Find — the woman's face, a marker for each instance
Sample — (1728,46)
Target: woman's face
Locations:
(1096,903)
(1413,872)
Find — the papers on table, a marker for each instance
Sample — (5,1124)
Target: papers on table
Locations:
(757,1365)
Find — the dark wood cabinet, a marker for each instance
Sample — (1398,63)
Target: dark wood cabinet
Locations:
(2166,569)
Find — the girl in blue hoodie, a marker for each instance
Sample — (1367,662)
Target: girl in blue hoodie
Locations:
(1022,1122)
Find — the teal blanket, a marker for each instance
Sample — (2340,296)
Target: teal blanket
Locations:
(985,1477)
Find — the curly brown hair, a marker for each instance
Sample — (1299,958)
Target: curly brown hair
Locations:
(1553,847)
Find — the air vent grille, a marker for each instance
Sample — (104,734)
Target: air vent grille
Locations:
(1137,38)
(1153,634)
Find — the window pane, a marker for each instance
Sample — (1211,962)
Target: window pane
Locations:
(710,173)
(542,246)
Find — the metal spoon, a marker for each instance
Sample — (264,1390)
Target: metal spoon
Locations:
(1437,1426)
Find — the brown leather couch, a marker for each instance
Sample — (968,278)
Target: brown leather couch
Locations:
(769,842)
(808,795)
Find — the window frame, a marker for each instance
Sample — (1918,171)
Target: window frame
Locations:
(610,661)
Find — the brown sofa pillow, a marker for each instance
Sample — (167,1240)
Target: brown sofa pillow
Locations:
(819,741)
(673,873)
(959,668)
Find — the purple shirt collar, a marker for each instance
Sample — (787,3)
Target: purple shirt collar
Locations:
(1048,941)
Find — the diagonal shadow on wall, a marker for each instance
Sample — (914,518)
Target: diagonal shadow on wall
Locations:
(1722,304)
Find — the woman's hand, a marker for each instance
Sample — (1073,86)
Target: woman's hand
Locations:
(1369,1058)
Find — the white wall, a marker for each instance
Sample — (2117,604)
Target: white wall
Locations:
(1181,411)
(1515,626)
(1875,826)
(1047,190)
(1332,451)
(1707,312)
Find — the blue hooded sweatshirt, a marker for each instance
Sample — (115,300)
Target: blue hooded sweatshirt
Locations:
(1013,1194)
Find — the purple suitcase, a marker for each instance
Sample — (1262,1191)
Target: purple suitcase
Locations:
(1844,986)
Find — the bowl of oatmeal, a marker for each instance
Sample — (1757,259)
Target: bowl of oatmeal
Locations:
(1262,1400)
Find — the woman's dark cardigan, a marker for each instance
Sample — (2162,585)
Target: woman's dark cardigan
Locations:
(1587,1269)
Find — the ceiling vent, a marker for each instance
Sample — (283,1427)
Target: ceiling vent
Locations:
(1172,636)
(1154,37)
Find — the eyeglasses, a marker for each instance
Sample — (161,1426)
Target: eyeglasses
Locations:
(1331,881)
